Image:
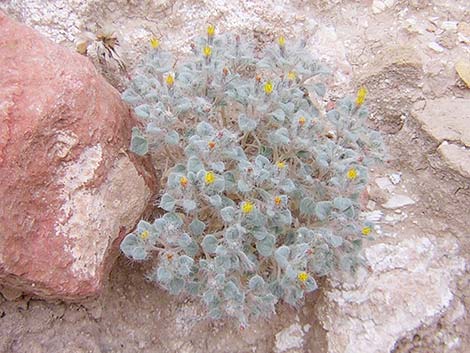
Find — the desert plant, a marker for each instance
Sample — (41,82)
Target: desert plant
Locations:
(262,186)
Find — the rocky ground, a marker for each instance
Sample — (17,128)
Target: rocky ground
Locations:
(414,294)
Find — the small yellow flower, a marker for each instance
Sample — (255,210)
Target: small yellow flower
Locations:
(144,235)
(281,41)
(277,200)
(366,230)
(207,51)
(361,96)
(302,121)
(247,207)
(154,43)
(209,178)
(291,76)
(183,181)
(211,144)
(268,87)
(281,165)
(170,80)
(303,276)
(351,174)
(210,31)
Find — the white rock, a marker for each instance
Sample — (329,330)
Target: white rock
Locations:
(409,284)
(373,216)
(395,178)
(378,6)
(289,338)
(389,3)
(384,183)
(397,201)
(449,25)
(436,47)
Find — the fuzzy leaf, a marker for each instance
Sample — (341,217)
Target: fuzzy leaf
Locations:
(209,243)
(266,246)
(167,202)
(139,144)
(172,138)
(133,247)
(256,282)
(342,203)
(307,206)
(197,227)
(246,124)
(323,209)
(194,165)
(228,214)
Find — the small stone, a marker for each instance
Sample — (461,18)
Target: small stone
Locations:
(395,178)
(389,3)
(464,29)
(456,157)
(10,294)
(397,201)
(374,216)
(436,47)
(463,70)
(378,6)
(370,205)
(289,338)
(384,183)
(449,25)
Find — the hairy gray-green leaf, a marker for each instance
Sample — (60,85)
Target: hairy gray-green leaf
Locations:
(139,144)
(167,202)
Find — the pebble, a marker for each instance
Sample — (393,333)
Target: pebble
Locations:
(395,178)
(378,6)
(449,25)
(384,183)
(463,70)
(436,47)
(397,201)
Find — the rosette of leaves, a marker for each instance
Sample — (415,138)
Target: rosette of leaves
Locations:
(262,185)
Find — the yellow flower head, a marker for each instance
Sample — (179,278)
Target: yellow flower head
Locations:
(170,80)
(144,235)
(183,181)
(209,178)
(361,96)
(302,121)
(303,276)
(207,51)
(366,230)
(281,41)
(277,200)
(211,144)
(268,87)
(281,165)
(247,207)
(210,31)
(154,43)
(291,75)
(351,174)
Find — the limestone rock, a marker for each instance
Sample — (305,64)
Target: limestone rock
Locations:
(69,190)
(392,68)
(398,201)
(409,284)
(446,121)
(457,157)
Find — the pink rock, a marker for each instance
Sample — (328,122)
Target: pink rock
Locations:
(69,191)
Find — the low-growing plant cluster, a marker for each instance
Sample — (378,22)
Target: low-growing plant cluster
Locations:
(262,185)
